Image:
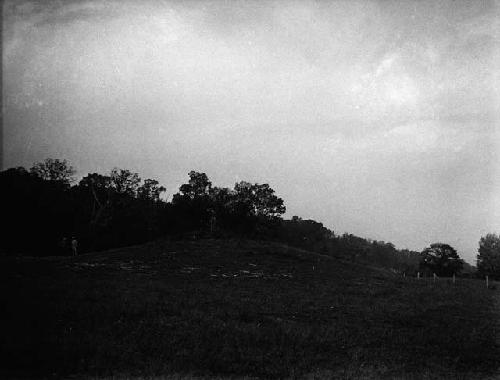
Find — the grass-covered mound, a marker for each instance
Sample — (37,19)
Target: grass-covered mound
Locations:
(244,308)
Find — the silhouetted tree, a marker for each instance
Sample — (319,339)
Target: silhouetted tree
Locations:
(125,182)
(150,190)
(488,258)
(256,209)
(192,204)
(54,170)
(102,211)
(259,200)
(98,190)
(222,218)
(441,259)
(198,186)
(36,210)
(93,203)
(148,196)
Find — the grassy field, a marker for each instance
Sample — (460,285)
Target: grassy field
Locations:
(231,308)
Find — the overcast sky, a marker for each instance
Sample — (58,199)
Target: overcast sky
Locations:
(375,118)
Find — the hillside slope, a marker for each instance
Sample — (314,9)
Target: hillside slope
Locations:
(245,308)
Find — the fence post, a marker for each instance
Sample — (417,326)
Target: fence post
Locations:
(418,275)
(434,275)
(487,281)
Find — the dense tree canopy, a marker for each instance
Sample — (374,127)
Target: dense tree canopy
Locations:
(54,170)
(441,259)
(488,258)
(150,190)
(260,200)
(118,208)
(125,182)
(197,186)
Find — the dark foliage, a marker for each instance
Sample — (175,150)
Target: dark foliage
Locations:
(488,258)
(32,208)
(441,259)
(119,209)
(44,211)
(313,236)
(54,170)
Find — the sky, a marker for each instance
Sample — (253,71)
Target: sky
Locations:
(377,118)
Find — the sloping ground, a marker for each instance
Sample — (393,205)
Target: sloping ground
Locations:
(496,322)
(238,308)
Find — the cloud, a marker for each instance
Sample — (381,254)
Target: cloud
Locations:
(209,54)
(386,64)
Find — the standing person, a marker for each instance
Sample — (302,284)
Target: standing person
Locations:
(74,246)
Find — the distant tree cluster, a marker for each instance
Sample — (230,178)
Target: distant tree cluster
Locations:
(443,260)
(313,236)
(44,204)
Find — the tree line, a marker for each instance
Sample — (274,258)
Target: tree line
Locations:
(44,204)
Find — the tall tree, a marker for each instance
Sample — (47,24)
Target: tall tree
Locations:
(98,188)
(192,204)
(259,199)
(150,190)
(488,258)
(125,182)
(197,186)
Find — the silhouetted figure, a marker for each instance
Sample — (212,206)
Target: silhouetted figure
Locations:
(74,246)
